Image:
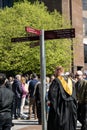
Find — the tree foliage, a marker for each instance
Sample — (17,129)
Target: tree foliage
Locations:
(19,57)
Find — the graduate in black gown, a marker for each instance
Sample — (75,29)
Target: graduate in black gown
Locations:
(63,105)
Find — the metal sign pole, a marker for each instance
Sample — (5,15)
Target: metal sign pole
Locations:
(43,79)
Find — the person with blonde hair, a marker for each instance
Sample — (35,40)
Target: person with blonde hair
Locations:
(63,105)
(24,94)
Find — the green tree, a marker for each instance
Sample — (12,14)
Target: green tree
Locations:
(19,57)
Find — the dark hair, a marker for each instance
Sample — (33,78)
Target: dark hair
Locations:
(2,78)
(34,75)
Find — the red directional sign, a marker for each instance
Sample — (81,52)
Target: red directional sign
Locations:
(32,30)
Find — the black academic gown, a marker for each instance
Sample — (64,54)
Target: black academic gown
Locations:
(63,108)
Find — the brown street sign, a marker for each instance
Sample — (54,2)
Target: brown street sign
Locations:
(32,45)
(25,39)
(48,35)
(60,34)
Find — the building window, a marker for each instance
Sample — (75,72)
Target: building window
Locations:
(85,26)
(84,2)
(85,53)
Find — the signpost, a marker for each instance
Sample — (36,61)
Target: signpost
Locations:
(43,80)
(47,35)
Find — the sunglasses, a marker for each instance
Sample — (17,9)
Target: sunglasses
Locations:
(77,75)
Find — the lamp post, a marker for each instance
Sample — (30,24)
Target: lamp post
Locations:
(72,62)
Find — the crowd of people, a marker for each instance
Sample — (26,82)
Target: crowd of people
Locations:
(66,99)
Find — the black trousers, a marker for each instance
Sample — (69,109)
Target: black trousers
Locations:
(82,115)
(16,107)
(5,124)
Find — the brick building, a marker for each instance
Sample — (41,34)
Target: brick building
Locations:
(85,33)
(72,9)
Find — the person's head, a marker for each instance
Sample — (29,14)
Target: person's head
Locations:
(18,77)
(52,78)
(79,75)
(2,78)
(59,71)
(67,74)
(11,79)
(34,75)
(84,75)
(23,80)
(47,79)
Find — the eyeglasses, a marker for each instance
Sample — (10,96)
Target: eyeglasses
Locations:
(77,75)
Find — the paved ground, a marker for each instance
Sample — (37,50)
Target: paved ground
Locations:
(30,124)
(26,125)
